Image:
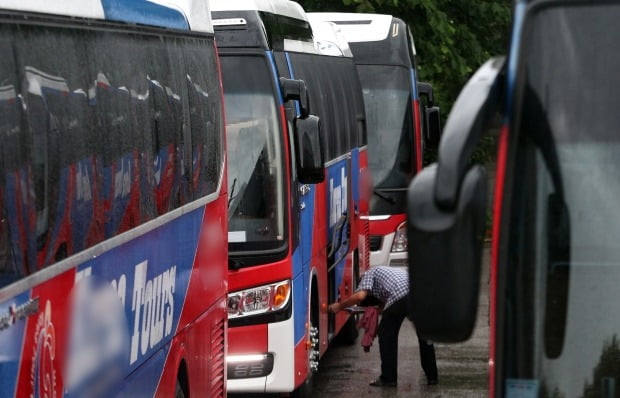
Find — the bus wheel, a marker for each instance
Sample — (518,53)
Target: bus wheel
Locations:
(305,390)
(181,389)
(178,392)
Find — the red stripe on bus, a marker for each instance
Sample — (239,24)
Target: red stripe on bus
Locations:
(500,180)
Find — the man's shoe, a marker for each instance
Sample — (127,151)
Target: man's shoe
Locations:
(432,382)
(380,383)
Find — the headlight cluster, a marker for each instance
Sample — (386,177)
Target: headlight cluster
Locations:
(259,300)
(400,239)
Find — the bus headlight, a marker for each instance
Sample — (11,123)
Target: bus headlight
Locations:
(259,300)
(400,239)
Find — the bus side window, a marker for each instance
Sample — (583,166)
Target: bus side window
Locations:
(205,119)
(12,244)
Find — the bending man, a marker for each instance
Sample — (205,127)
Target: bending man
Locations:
(390,286)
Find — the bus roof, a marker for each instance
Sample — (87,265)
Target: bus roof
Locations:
(268,24)
(358,27)
(329,40)
(174,14)
(375,39)
(286,8)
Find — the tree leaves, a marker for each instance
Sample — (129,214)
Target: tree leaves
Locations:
(452,37)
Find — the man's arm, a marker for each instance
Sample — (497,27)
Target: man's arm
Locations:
(354,299)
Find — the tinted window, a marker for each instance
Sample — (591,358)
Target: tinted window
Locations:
(563,266)
(334,90)
(256,205)
(387,97)
(101,131)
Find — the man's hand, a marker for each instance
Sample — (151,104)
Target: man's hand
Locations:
(334,308)
(354,299)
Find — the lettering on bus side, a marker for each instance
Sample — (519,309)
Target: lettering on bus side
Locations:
(338,197)
(153,309)
(152,306)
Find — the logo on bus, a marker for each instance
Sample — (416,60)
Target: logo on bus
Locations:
(338,198)
(45,377)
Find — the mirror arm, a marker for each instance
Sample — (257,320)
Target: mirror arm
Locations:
(474,108)
(427,90)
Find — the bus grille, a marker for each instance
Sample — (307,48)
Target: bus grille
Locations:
(375,242)
(217,360)
(366,243)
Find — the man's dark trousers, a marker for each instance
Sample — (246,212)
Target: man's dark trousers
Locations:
(389,327)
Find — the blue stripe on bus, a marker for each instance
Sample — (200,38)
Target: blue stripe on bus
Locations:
(292,74)
(300,304)
(276,79)
(151,276)
(11,342)
(338,182)
(302,266)
(144,12)
(513,56)
(414,84)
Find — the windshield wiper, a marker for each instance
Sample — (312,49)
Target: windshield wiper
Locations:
(232,191)
(386,198)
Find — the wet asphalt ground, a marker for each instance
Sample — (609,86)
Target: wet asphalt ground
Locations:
(345,371)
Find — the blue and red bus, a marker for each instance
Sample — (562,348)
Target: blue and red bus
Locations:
(113,200)
(297,158)
(555,263)
(399,111)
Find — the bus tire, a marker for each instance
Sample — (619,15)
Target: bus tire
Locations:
(178,391)
(349,333)
(181,389)
(305,390)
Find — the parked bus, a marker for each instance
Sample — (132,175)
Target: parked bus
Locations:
(113,200)
(555,261)
(385,56)
(297,237)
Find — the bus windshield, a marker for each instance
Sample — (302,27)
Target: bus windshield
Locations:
(255,182)
(561,311)
(387,98)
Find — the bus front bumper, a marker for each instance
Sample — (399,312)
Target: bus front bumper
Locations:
(276,366)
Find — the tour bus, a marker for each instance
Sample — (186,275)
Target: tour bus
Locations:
(297,234)
(555,265)
(113,200)
(398,119)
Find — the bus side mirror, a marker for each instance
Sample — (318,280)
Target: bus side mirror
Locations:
(445,249)
(431,115)
(295,90)
(447,218)
(309,151)
(432,126)
(425,91)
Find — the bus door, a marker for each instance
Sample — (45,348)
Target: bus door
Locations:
(323,76)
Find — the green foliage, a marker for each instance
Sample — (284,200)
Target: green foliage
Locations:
(452,37)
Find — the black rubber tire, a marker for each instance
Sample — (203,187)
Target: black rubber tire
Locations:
(305,390)
(349,332)
(178,391)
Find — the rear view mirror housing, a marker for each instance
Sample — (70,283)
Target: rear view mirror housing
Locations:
(447,217)
(432,126)
(309,150)
(295,90)
(445,256)
(431,116)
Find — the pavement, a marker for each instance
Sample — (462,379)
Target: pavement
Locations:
(345,371)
